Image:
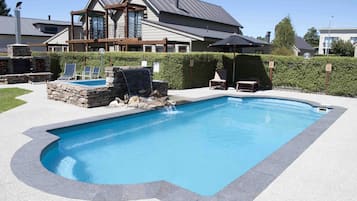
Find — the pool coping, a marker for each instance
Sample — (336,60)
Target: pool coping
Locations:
(27,167)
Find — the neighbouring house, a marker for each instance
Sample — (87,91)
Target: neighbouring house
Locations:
(149,25)
(34,32)
(302,48)
(328,35)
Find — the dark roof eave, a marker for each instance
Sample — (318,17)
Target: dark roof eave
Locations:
(235,25)
(79,25)
(186,32)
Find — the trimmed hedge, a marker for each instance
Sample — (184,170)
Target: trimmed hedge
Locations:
(293,72)
(310,75)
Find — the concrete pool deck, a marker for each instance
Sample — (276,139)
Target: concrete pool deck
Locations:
(325,171)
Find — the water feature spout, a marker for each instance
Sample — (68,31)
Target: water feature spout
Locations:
(127,85)
(138,81)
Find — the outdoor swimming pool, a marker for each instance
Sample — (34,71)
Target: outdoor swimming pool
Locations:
(203,147)
(90,83)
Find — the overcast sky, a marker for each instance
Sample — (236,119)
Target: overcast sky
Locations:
(257,16)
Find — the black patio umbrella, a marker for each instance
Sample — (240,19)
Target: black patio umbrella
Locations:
(236,41)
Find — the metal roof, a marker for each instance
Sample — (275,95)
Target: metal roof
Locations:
(338,30)
(203,33)
(190,8)
(301,44)
(7,26)
(197,9)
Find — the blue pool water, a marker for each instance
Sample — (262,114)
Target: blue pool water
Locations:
(203,147)
(90,83)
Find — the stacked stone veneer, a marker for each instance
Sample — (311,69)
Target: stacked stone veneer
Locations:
(79,95)
(97,96)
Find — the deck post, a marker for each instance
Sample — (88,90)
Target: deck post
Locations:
(126,22)
(87,25)
(71,35)
(106,24)
(165,44)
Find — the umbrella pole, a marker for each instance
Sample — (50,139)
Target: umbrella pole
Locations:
(234,64)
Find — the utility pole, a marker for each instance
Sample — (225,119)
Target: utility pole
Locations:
(18,22)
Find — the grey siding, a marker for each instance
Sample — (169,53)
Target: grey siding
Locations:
(153,33)
(201,46)
(10,39)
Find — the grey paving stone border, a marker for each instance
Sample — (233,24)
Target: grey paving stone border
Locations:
(27,167)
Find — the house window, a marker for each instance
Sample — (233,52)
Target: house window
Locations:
(328,41)
(50,30)
(135,19)
(170,48)
(160,49)
(148,48)
(97,27)
(182,49)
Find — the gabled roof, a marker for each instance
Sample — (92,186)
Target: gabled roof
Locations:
(7,26)
(301,44)
(190,8)
(196,9)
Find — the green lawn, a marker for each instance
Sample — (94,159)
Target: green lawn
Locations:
(8,98)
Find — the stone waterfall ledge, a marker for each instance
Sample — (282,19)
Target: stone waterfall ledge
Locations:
(87,97)
(116,80)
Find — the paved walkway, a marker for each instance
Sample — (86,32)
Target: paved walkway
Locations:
(326,171)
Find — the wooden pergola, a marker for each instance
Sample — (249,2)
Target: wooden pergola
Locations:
(125,7)
(86,13)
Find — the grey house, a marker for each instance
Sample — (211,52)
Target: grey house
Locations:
(301,47)
(34,32)
(150,25)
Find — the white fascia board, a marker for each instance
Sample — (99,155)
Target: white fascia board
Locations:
(90,1)
(55,36)
(152,6)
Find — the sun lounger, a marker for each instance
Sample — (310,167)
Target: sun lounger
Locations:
(69,72)
(95,73)
(220,80)
(86,72)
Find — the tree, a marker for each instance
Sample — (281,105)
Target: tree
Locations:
(4,11)
(342,48)
(312,37)
(284,37)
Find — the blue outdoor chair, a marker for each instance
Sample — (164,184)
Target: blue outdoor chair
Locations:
(86,72)
(95,72)
(69,72)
